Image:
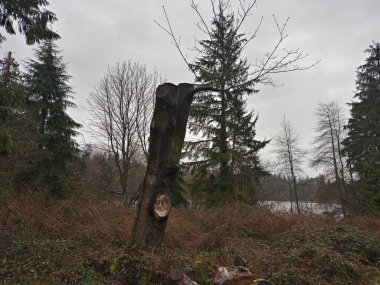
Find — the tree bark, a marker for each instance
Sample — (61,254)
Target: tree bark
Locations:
(294,179)
(291,195)
(167,134)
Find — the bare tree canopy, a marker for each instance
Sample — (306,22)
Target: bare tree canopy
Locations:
(289,155)
(121,107)
(327,152)
(278,59)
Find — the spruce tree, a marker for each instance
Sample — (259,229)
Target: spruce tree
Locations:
(18,138)
(245,164)
(362,145)
(220,117)
(31,18)
(48,95)
(11,101)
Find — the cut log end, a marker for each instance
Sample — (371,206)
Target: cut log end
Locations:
(162,207)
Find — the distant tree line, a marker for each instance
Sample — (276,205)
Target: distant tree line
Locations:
(347,151)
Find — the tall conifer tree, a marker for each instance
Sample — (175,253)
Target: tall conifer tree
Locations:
(17,135)
(363,142)
(244,160)
(227,129)
(12,100)
(49,94)
(29,17)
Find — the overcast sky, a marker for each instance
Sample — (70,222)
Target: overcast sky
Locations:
(96,34)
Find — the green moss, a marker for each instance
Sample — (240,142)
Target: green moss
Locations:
(131,238)
(114,265)
(375,279)
(91,282)
(133,267)
(355,243)
(332,268)
(177,145)
(144,281)
(163,123)
(177,97)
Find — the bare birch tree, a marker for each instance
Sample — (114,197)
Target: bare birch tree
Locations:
(121,108)
(327,152)
(289,156)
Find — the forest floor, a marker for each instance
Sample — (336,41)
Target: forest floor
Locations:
(82,240)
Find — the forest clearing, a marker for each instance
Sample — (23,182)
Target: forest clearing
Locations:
(112,172)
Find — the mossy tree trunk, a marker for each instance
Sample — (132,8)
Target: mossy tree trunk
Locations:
(167,134)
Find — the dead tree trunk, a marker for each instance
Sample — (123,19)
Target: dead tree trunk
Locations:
(167,134)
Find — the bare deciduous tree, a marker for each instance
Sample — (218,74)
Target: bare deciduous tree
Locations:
(289,156)
(327,152)
(121,107)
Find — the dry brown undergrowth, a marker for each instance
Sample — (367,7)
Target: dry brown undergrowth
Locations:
(53,239)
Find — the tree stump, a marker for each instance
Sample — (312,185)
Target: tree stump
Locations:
(167,134)
(240,276)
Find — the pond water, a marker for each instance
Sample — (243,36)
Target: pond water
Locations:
(306,207)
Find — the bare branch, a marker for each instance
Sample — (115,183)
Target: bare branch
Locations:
(275,63)
(253,35)
(203,88)
(205,29)
(245,13)
(121,107)
(277,60)
(175,42)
